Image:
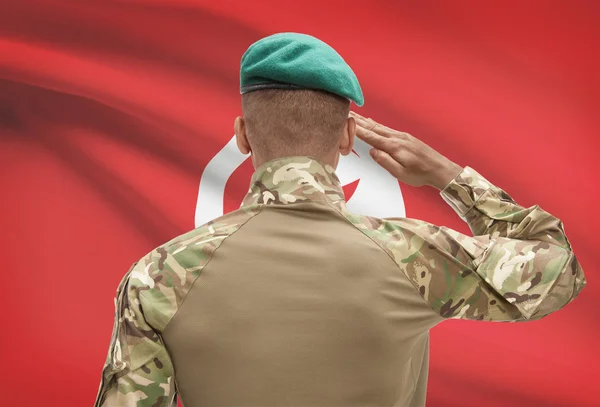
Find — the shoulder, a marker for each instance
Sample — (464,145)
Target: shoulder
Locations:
(417,247)
(162,278)
(208,236)
(392,234)
(405,238)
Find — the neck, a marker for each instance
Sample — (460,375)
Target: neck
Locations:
(292,179)
(331,158)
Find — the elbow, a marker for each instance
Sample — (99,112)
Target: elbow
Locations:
(576,277)
(566,287)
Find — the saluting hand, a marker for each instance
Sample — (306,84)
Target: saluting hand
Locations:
(405,157)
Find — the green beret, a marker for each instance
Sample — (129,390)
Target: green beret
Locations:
(297,61)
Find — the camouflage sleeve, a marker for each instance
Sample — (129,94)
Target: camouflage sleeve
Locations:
(518,266)
(138,371)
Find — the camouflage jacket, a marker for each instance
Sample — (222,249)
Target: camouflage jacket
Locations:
(518,266)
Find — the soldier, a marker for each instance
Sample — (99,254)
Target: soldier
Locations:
(292,300)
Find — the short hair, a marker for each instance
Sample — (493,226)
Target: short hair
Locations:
(284,122)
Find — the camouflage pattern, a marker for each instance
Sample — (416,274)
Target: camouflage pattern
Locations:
(294,179)
(138,370)
(518,266)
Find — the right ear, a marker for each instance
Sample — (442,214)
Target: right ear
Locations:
(347,139)
(239,126)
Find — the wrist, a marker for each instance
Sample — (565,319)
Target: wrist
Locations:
(445,175)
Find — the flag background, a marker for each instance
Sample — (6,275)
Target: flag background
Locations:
(109,111)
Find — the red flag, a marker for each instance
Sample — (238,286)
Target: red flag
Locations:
(110,112)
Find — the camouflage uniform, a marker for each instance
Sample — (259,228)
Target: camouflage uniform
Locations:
(308,304)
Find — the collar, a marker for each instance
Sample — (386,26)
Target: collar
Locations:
(293,179)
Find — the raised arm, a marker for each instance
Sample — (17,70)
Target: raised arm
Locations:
(518,266)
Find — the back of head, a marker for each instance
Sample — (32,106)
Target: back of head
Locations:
(287,122)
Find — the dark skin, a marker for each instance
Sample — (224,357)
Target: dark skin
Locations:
(402,155)
(344,146)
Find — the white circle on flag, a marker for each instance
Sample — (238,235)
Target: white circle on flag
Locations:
(378,193)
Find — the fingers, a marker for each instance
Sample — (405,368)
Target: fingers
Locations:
(388,163)
(387,143)
(365,121)
(379,128)
(369,131)
(353,113)
(378,141)
(368,124)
